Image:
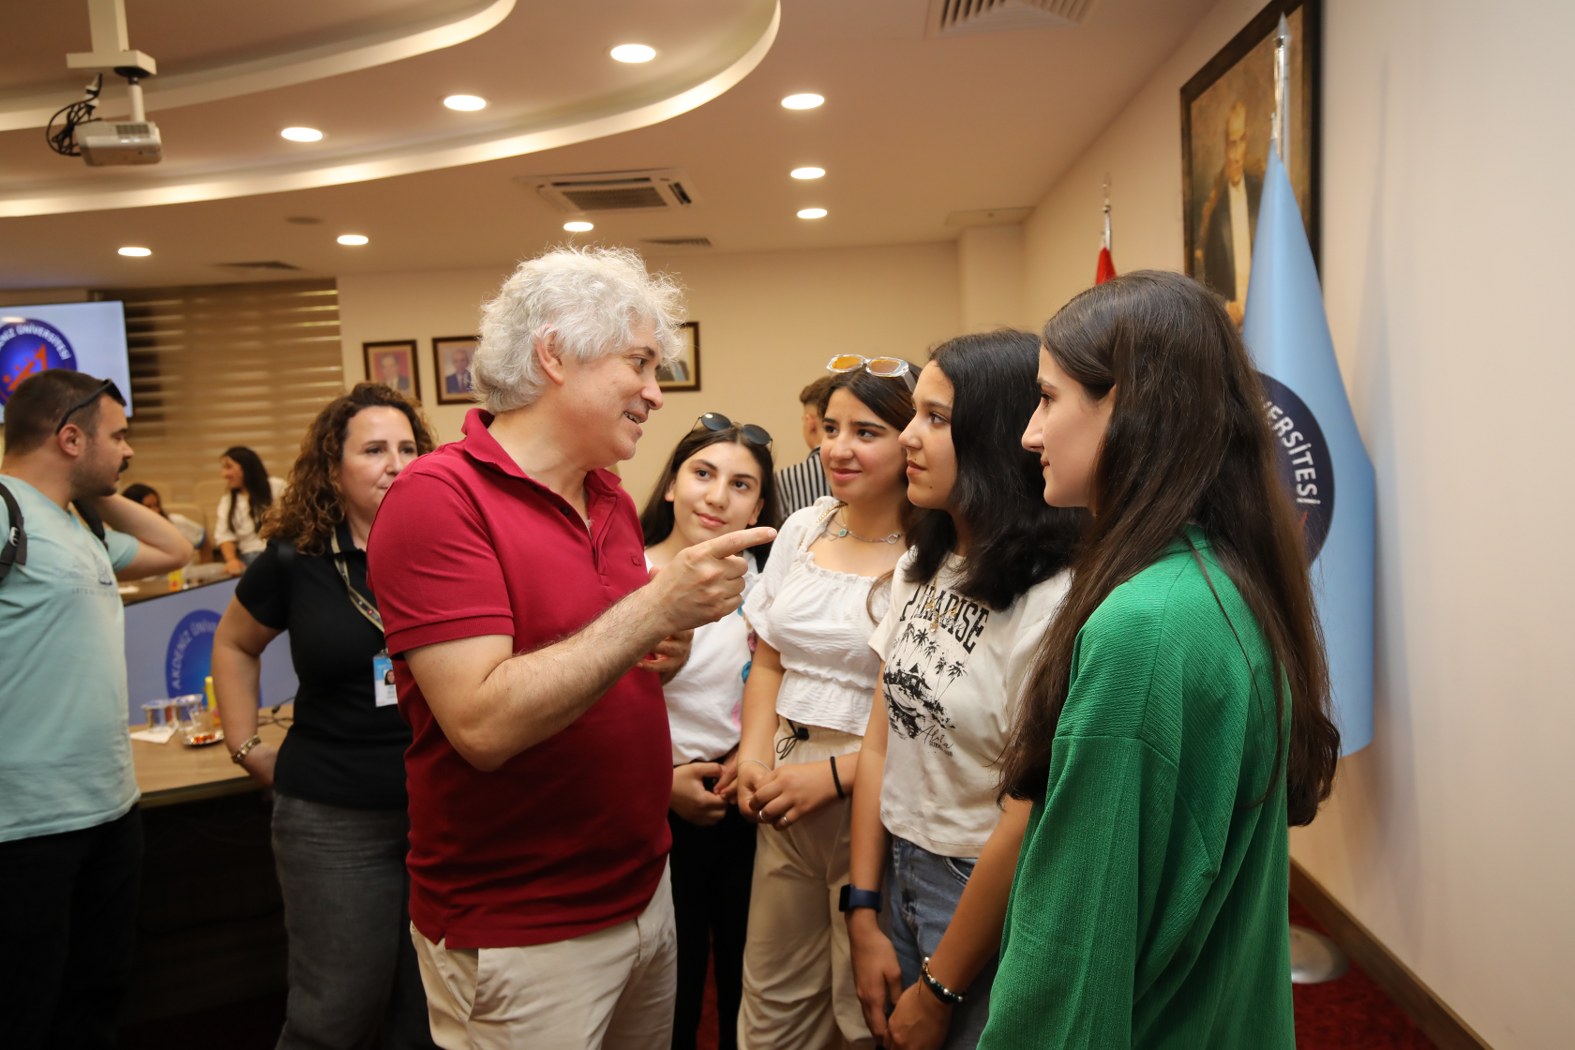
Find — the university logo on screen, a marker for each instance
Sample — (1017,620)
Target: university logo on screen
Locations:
(189,658)
(1305,464)
(28,347)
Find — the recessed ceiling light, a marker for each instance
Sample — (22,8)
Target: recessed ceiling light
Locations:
(805,100)
(808,173)
(812,213)
(354,240)
(132,252)
(465,103)
(633,53)
(579,226)
(302,134)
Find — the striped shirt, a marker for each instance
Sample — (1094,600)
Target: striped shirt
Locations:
(802,484)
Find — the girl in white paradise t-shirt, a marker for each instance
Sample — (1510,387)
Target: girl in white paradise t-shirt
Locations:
(971,600)
(719,479)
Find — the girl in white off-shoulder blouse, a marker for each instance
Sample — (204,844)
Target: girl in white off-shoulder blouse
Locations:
(806,704)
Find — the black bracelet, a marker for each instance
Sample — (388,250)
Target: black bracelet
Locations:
(943,993)
(836,780)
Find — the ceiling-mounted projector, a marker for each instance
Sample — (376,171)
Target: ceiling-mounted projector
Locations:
(105,142)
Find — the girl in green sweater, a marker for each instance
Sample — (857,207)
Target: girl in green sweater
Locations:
(1177,720)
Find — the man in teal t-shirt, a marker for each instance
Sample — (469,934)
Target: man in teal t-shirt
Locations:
(70,837)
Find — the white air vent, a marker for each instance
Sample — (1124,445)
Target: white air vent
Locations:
(948,17)
(613,190)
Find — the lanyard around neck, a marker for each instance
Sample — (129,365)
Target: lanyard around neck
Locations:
(362,603)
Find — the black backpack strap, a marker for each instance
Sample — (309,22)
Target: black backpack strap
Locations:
(89,515)
(15,550)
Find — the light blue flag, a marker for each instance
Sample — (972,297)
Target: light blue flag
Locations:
(1320,451)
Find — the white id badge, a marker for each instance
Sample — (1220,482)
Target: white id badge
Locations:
(383,680)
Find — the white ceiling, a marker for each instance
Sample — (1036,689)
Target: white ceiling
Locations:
(916,127)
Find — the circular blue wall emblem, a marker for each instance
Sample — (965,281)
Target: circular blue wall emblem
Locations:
(189,658)
(1306,466)
(28,347)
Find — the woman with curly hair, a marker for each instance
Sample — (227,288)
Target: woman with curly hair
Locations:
(339,819)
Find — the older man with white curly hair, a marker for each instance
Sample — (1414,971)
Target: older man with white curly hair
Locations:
(509,571)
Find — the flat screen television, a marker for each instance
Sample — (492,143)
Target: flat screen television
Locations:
(84,337)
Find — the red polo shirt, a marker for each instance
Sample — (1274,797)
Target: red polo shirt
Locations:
(567,837)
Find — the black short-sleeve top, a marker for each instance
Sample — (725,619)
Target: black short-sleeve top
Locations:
(342,750)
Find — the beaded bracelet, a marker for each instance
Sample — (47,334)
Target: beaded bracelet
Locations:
(943,993)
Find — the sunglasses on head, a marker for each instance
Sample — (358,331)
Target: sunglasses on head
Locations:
(106,387)
(880,367)
(748,431)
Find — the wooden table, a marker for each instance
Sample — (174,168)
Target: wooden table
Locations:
(171,773)
(210,924)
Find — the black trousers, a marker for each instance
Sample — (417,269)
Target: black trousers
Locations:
(68,916)
(711,871)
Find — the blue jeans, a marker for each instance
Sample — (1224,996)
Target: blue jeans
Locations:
(922,890)
(353,969)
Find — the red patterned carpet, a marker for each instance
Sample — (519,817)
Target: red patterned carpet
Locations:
(1351,1013)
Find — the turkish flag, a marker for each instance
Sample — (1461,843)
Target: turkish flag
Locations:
(1107,267)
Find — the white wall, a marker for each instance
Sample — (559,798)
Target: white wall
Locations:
(768,324)
(1447,223)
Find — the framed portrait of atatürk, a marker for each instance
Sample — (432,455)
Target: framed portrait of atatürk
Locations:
(1227,112)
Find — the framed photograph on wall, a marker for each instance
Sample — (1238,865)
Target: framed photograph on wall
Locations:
(394,364)
(684,371)
(1227,111)
(451,358)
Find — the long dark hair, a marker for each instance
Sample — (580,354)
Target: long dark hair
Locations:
(1187,443)
(314,504)
(656,520)
(1015,539)
(254,481)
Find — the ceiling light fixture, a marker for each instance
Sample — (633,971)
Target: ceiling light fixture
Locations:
(302,134)
(812,213)
(804,100)
(633,53)
(579,226)
(353,240)
(132,252)
(808,173)
(465,103)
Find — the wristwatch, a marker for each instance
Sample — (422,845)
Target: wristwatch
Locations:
(852,897)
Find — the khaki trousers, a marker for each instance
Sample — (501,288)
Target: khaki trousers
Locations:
(612,989)
(798,972)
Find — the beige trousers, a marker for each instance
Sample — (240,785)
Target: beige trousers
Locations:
(613,988)
(798,973)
